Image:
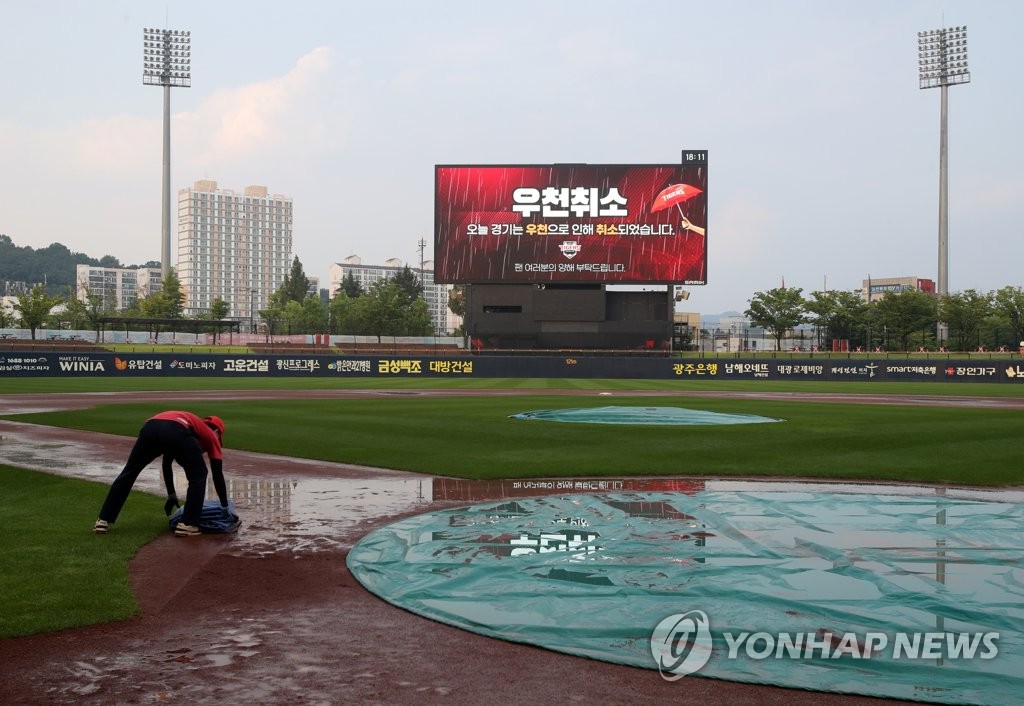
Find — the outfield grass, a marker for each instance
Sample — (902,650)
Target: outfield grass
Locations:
(126,384)
(474,437)
(54,572)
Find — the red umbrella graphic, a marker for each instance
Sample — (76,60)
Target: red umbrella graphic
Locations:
(673,196)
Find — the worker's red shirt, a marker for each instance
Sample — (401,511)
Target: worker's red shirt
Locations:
(208,439)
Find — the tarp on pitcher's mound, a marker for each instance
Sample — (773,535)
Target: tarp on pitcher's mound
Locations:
(640,415)
(910,597)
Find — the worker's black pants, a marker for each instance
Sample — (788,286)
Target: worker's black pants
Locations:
(156,438)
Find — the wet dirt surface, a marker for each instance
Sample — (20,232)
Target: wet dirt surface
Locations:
(271,615)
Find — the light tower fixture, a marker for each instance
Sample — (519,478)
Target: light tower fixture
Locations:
(942,62)
(167,62)
(942,57)
(166,57)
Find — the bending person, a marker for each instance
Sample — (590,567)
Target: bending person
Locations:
(177,436)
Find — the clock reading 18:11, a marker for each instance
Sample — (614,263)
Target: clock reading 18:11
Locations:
(695,157)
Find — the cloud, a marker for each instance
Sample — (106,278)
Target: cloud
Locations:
(107,169)
(292,113)
(117,145)
(289,114)
(105,148)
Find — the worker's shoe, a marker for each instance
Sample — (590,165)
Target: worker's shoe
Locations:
(100,527)
(183,530)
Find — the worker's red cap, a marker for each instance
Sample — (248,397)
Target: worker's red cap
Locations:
(215,423)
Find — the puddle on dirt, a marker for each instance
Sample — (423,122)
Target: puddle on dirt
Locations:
(297,512)
(313,514)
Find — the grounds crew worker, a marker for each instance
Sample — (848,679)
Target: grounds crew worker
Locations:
(178,436)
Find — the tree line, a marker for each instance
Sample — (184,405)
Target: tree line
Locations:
(392,306)
(898,321)
(906,320)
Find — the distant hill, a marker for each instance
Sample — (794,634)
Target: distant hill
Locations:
(53,265)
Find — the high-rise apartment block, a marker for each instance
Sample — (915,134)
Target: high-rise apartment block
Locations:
(232,246)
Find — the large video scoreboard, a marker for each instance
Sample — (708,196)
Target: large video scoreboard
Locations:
(607,223)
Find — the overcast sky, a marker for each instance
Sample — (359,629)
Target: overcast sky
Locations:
(823,151)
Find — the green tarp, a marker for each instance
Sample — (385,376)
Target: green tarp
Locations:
(640,415)
(799,589)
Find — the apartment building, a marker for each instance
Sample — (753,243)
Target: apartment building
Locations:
(119,287)
(234,246)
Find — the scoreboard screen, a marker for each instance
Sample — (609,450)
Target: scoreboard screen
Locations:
(615,224)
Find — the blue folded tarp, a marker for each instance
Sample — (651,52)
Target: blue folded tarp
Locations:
(214,518)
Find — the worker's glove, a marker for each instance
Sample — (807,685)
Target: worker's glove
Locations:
(172,502)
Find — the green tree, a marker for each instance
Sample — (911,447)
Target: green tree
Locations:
(291,319)
(152,307)
(777,311)
(218,310)
(457,300)
(385,311)
(295,285)
(902,314)
(173,297)
(1008,308)
(34,308)
(314,316)
(95,310)
(76,311)
(168,303)
(457,305)
(274,314)
(837,313)
(417,321)
(964,312)
(340,311)
(350,285)
(409,285)
(307,317)
(379,311)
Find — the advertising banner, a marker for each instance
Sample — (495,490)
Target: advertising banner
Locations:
(627,224)
(852,369)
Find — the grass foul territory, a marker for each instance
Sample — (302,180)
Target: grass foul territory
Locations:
(54,572)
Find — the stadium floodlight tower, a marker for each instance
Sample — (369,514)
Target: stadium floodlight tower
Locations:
(942,62)
(166,61)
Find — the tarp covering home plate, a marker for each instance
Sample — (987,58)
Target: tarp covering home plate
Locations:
(910,597)
(640,415)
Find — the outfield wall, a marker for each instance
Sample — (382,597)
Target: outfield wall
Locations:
(109,365)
